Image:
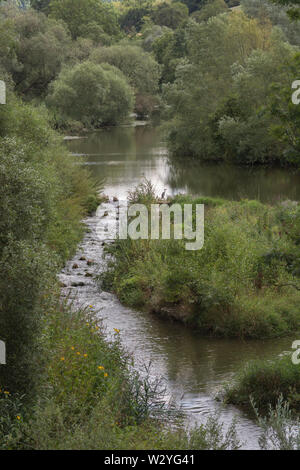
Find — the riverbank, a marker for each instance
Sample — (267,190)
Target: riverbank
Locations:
(266,382)
(65,385)
(243,283)
(91,398)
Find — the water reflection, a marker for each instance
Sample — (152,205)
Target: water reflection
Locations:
(231,182)
(195,367)
(124,155)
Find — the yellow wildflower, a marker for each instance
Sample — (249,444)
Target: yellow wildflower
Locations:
(116,330)
(78,353)
(85,355)
(62,358)
(18,418)
(100,367)
(106,374)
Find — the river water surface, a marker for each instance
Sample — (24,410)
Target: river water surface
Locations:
(193,367)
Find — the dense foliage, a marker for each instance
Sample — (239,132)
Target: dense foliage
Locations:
(81,15)
(222,79)
(48,56)
(140,69)
(225,75)
(34,49)
(93,94)
(91,398)
(265,382)
(222,99)
(43,196)
(242,283)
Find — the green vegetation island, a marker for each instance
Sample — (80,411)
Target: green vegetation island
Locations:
(218,78)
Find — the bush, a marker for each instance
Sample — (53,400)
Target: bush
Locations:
(38,48)
(266,382)
(132,18)
(80,14)
(279,429)
(244,117)
(91,398)
(231,287)
(171,15)
(141,70)
(210,9)
(93,94)
(43,196)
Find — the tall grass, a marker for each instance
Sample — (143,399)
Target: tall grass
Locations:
(265,382)
(90,398)
(280,430)
(243,283)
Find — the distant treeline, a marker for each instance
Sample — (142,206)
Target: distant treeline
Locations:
(220,76)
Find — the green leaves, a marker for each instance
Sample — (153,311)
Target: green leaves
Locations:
(77,14)
(93,94)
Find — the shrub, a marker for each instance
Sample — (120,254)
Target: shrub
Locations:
(266,382)
(93,94)
(279,429)
(38,49)
(171,15)
(231,287)
(80,14)
(141,70)
(43,196)
(91,398)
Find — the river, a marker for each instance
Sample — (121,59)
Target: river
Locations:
(193,367)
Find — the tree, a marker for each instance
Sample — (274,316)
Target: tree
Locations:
(95,33)
(93,94)
(133,18)
(292,11)
(287,114)
(168,49)
(77,14)
(141,70)
(40,5)
(265,11)
(203,82)
(149,35)
(35,49)
(194,5)
(170,14)
(210,9)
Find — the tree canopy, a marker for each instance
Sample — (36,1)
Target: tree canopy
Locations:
(78,14)
(93,94)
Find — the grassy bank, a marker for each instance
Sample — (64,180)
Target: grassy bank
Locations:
(44,194)
(90,398)
(266,382)
(243,283)
(65,384)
